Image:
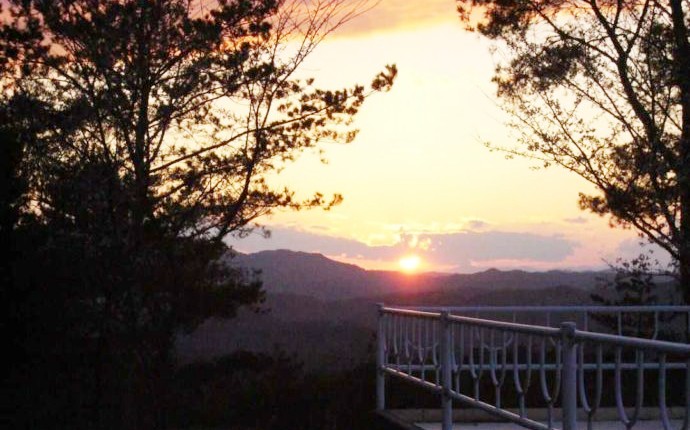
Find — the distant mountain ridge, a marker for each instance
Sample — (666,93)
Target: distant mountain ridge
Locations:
(324,311)
(314,275)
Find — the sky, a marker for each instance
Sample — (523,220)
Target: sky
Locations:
(421,190)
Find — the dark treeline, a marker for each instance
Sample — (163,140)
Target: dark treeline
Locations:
(87,350)
(272,391)
(121,178)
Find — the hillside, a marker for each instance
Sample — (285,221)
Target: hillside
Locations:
(306,274)
(324,311)
(314,275)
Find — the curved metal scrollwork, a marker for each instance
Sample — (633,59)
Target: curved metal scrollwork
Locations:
(512,370)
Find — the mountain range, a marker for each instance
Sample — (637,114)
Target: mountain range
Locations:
(314,275)
(324,311)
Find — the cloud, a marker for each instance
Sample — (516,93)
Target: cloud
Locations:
(632,248)
(476,224)
(296,240)
(497,245)
(576,220)
(395,14)
(458,251)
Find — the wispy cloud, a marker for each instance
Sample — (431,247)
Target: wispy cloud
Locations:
(391,15)
(576,220)
(458,251)
(477,224)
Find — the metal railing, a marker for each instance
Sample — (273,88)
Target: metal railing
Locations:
(489,364)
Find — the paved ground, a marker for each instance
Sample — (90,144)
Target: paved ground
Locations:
(474,419)
(601,425)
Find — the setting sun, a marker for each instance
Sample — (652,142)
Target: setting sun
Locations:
(409,263)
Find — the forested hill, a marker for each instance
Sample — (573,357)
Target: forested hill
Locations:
(314,275)
(324,311)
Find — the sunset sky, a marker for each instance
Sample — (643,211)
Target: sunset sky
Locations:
(418,181)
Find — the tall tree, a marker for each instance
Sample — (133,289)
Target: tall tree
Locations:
(149,128)
(602,88)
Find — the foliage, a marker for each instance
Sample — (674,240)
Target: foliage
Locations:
(636,282)
(276,393)
(147,130)
(188,108)
(205,391)
(603,90)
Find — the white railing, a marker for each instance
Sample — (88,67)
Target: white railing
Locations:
(488,363)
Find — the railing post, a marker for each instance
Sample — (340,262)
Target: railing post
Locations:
(380,361)
(446,372)
(569,376)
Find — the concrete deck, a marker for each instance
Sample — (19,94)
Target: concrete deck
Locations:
(430,419)
(599,425)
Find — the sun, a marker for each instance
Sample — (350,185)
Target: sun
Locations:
(409,263)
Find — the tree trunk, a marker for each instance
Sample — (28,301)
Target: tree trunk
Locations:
(682,62)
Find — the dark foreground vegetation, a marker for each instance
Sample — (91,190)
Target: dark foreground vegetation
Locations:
(246,390)
(121,175)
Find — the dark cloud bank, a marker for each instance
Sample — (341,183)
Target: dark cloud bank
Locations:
(454,250)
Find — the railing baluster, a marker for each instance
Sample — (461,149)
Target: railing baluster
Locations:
(590,408)
(618,387)
(516,376)
(662,392)
(542,380)
(686,415)
(409,338)
(639,386)
(473,369)
(502,378)
(655,334)
(550,397)
(380,361)
(420,347)
(396,351)
(569,357)
(600,377)
(528,372)
(435,351)
(446,399)
(493,352)
(461,356)
(453,361)
(412,343)
(482,347)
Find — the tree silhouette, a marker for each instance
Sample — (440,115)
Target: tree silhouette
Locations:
(148,129)
(635,282)
(603,90)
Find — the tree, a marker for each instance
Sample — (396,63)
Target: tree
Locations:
(191,107)
(602,88)
(636,282)
(149,128)
(11,192)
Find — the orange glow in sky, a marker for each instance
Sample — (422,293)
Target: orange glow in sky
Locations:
(419,166)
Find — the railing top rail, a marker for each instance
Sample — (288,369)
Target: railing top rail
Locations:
(410,312)
(578,335)
(560,308)
(507,326)
(500,325)
(634,342)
